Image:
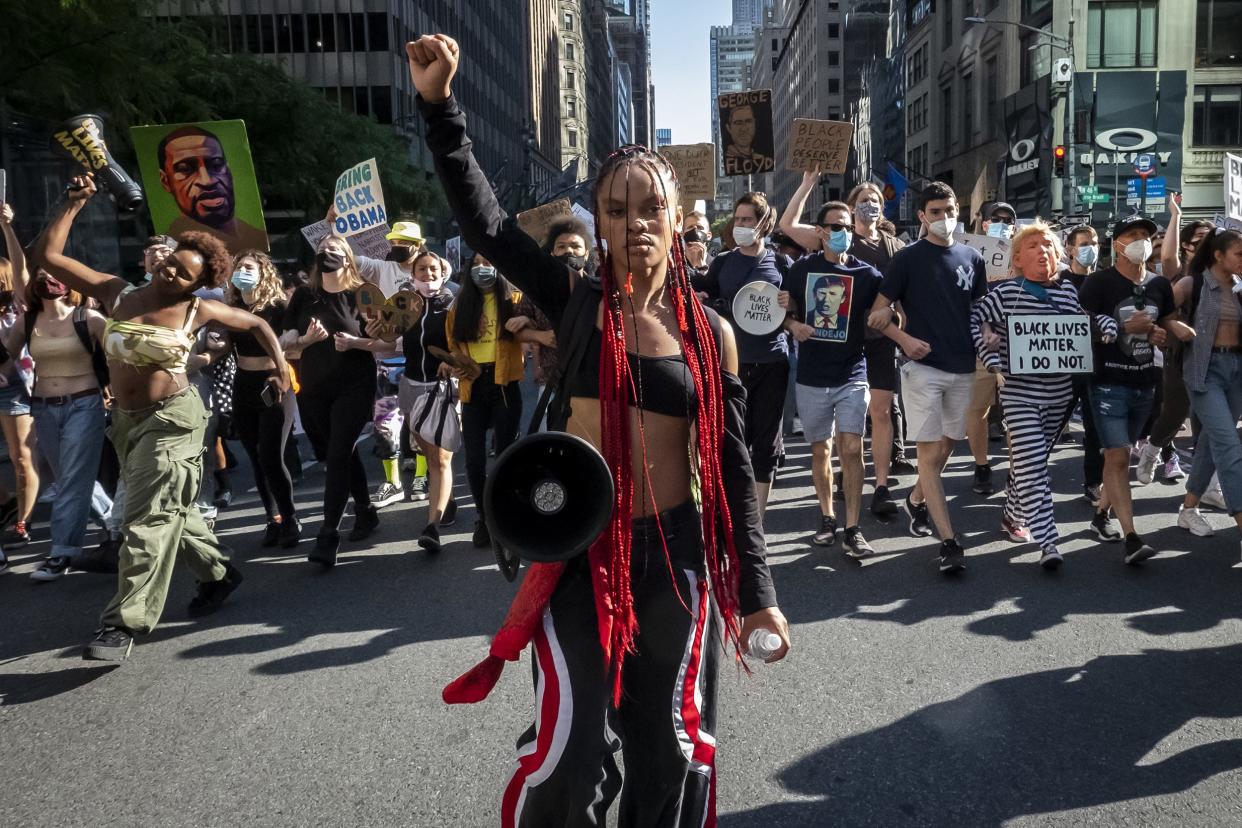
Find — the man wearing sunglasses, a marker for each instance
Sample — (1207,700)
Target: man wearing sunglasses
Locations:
(1000,221)
(1123,388)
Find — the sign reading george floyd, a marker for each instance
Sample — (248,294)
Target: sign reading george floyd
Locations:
(359,200)
(1050,344)
(695,165)
(819,145)
(746,132)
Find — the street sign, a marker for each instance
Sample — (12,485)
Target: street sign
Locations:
(1096,198)
(1155,188)
(1088,189)
(1145,164)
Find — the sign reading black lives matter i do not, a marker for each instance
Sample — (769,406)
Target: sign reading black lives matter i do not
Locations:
(1050,344)
(746,132)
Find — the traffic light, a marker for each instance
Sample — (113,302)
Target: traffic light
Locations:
(1058,157)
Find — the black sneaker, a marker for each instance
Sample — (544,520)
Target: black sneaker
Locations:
(481,537)
(983,481)
(1050,558)
(8,511)
(365,522)
(882,504)
(290,533)
(326,546)
(827,534)
(1136,550)
(418,490)
(952,558)
(109,644)
(1103,528)
(450,513)
(900,465)
(223,498)
(212,594)
(271,534)
(16,538)
(856,545)
(920,522)
(430,538)
(50,570)
(1091,494)
(103,559)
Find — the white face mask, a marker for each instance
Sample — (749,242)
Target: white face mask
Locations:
(745,236)
(427,289)
(1138,251)
(943,228)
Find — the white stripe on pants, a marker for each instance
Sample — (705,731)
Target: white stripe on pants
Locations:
(1033,433)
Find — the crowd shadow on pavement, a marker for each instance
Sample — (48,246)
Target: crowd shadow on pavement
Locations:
(1031,744)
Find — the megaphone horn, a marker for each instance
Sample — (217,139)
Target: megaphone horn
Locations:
(548,497)
(81,138)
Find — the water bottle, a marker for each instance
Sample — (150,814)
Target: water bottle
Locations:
(763,643)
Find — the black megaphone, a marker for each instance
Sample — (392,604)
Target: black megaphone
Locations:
(81,138)
(548,498)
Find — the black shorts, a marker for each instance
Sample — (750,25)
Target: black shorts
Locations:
(881,356)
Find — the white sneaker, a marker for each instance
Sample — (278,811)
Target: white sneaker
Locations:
(1148,458)
(1173,469)
(387,493)
(1194,522)
(1214,497)
(1137,448)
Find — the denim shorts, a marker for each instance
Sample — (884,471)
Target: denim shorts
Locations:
(14,401)
(825,410)
(1120,413)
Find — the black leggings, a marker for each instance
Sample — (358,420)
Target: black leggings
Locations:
(333,419)
(494,407)
(263,431)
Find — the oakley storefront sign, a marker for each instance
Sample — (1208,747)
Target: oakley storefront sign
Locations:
(1021,157)
(1124,145)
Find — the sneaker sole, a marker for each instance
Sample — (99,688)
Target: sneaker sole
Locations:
(982,491)
(429,545)
(951,566)
(857,553)
(1144,554)
(1015,538)
(1105,538)
(41,577)
(1051,564)
(924,532)
(825,542)
(388,501)
(93,653)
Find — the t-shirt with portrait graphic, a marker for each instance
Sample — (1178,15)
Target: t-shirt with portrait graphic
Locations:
(1130,359)
(833,299)
(936,286)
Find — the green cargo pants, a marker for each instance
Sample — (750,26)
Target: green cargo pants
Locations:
(161,455)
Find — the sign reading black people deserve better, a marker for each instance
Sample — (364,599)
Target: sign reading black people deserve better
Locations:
(1050,344)
(819,145)
(746,132)
(359,200)
(201,177)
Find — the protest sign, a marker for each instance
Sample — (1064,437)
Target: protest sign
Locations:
(819,145)
(536,221)
(396,314)
(452,252)
(370,243)
(359,199)
(1233,186)
(746,132)
(995,254)
(1050,344)
(4,186)
(695,165)
(200,176)
(756,310)
(586,217)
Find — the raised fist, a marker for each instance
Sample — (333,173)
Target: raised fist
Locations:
(433,62)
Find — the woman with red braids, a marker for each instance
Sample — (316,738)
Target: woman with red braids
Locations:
(624,643)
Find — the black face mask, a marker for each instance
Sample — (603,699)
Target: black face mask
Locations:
(399,254)
(575,262)
(693,235)
(329,261)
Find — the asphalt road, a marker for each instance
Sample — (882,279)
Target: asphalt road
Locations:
(1100,694)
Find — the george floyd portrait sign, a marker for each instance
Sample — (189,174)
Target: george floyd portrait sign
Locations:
(746,132)
(201,177)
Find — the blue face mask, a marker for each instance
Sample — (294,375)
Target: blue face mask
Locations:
(1087,255)
(839,241)
(998,230)
(245,281)
(483,276)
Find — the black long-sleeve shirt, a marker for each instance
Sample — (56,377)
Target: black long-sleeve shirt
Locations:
(546,281)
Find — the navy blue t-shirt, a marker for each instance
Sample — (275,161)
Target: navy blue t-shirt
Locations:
(834,299)
(936,286)
(729,273)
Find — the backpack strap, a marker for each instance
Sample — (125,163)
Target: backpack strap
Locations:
(99,362)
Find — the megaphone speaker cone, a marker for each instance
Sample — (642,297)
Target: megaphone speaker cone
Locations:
(548,497)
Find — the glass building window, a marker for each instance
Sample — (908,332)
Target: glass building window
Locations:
(377,31)
(569,21)
(1217,116)
(1121,34)
(1218,33)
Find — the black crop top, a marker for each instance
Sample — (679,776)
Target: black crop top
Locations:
(247,344)
(664,383)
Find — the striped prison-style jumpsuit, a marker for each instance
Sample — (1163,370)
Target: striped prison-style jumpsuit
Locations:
(1033,403)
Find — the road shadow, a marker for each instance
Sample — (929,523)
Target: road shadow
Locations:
(1033,744)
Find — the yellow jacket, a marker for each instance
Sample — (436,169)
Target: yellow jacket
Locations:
(510,365)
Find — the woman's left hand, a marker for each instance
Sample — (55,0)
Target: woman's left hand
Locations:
(344,341)
(773,620)
(517,323)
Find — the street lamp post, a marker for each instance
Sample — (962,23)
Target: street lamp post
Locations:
(1069,190)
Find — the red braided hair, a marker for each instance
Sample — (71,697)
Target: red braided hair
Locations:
(610,555)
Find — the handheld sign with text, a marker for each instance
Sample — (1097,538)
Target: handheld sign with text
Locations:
(536,221)
(1050,344)
(822,145)
(695,165)
(755,308)
(396,314)
(746,132)
(371,242)
(1233,186)
(359,199)
(995,254)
